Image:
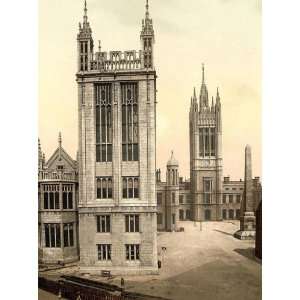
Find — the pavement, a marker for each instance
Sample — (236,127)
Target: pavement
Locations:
(205,262)
(43,295)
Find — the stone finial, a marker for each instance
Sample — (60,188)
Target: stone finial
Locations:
(218,97)
(194,95)
(172,161)
(99,46)
(59,139)
(85,17)
(203,79)
(147,9)
(39,145)
(59,145)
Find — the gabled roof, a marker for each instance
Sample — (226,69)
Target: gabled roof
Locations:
(61,155)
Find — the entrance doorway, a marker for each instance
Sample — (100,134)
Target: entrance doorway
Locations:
(188,214)
(207,215)
(224,214)
(181,214)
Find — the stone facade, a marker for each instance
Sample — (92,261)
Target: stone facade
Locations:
(230,206)
(108,204)
(206,155)
(57,215)
(249,205)
(123,84)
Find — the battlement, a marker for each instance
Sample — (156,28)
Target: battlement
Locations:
(117,61)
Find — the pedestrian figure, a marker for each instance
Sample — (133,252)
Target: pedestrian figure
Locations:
(122,285)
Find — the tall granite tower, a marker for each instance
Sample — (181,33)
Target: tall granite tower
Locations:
(247,221)
(172,194)
(117,151)
(206,155)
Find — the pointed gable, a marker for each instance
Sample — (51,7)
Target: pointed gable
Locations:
(61,159)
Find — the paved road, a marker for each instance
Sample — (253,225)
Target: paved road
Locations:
(201,265)
(46,296)
(209,264)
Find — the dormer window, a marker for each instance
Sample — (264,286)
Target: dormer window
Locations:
(60,167)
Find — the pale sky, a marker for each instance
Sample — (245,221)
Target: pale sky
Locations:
(225,35)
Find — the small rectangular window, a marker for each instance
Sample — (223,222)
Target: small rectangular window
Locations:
(104,188)
(68,235)
(173,219)
(159,218)
(46,204)
(104,251)
(65,200)
(159,198)
(56,200)
(207,190)
(130,187)
(132,223)
(52,235)
(224,198)
(230,198)
(51,195)
(132,252)
(103,223)
(70,200)
(180,199)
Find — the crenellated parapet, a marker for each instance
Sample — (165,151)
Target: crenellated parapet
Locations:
(90,61)
(117,61)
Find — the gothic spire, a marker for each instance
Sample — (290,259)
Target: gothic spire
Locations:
(85,13)
(147,26)
(203,91)
(59,145)
(40,150)
(85,28)
(218,97)
(147,9)
(59,140)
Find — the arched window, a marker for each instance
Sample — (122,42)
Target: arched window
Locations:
(129,122)
(103,123)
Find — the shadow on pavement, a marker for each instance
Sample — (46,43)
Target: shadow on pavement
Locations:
(224,232)
(249,253)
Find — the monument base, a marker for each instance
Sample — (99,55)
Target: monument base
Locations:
(247,229)
(245,235)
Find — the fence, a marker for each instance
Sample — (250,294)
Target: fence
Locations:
(72,290)
(71,287)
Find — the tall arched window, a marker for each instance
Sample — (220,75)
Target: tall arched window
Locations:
(207,141)
(130,130)
(103,123)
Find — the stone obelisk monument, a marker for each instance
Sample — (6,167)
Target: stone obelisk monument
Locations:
(247,221)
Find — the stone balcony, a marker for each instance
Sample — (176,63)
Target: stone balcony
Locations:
(57,176)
